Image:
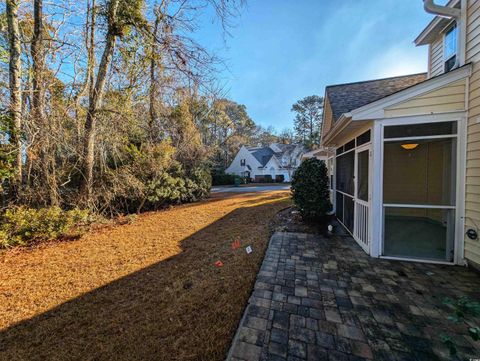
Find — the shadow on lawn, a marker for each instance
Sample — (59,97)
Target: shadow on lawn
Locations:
(183,308)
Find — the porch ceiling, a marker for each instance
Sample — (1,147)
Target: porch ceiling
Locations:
(345,130)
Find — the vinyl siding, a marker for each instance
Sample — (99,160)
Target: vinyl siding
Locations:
(435,56)
(472,198)
(473,31)
(327,117)
(449,98)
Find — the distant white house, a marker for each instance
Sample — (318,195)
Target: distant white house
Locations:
(261,163)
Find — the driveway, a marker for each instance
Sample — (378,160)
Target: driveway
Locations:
(320,298)
(251,188)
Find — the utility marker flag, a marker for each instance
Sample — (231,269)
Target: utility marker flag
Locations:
(236,244)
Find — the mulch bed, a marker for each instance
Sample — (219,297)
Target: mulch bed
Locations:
(143,291)
(289,220)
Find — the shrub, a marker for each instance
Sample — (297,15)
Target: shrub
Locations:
(198,184)
(220,178)
(310,191)
(22,225)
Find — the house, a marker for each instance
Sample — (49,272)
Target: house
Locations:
(275,162)
(405,167)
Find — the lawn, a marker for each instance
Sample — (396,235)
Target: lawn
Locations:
(143,291)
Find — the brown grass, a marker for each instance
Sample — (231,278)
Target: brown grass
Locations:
(142,291)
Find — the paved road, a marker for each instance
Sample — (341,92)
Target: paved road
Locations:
(250,189)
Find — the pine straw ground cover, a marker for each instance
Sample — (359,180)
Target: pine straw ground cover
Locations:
(142,291)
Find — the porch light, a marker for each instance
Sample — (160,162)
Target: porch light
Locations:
(409,146)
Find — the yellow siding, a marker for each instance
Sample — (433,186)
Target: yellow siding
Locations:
(435,56)
(472,197)
(473,31)
(446,99)
(327,117)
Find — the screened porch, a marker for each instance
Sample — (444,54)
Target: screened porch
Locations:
(397,194)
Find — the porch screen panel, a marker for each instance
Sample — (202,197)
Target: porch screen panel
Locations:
(339,206)
(362,176)
(423,233)
(423,175)
(420,130)
(419,191)
(345,173)
(349,209)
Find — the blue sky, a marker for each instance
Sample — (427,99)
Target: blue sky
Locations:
(282,50)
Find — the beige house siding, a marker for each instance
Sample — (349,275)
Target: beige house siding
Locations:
(472,199)
(327,117)
(473,30)
(435,57)
(447,99)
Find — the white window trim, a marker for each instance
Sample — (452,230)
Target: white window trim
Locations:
(449,27)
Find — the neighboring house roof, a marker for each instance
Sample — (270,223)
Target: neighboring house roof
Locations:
(264,154)
(344,98)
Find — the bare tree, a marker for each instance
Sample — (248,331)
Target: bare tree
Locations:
(95,99)
(153,66)
(46,166)
(15,73)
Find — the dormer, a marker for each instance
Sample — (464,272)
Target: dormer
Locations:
(445,37)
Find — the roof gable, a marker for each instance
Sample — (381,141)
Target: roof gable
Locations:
(376,109)
(344,98)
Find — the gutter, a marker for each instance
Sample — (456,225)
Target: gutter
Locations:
(449,13)
(442,11)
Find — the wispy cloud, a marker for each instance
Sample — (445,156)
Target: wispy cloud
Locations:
(398,59)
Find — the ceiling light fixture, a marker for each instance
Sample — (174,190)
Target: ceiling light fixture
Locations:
(409,146)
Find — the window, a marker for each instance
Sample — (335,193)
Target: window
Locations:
(242,162)
(450,48)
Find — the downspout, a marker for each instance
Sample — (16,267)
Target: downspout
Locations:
(449,13)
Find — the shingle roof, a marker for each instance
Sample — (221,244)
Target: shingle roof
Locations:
(263,155)
(344,98)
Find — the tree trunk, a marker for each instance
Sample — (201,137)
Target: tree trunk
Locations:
(153,80)
(95,100)
(47,160)
(15,70)
(91,50)
(88,83)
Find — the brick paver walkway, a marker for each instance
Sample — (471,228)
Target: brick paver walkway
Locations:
(325,299)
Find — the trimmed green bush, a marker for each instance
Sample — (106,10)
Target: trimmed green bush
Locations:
(310,190)
(22,225)
(220,178)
